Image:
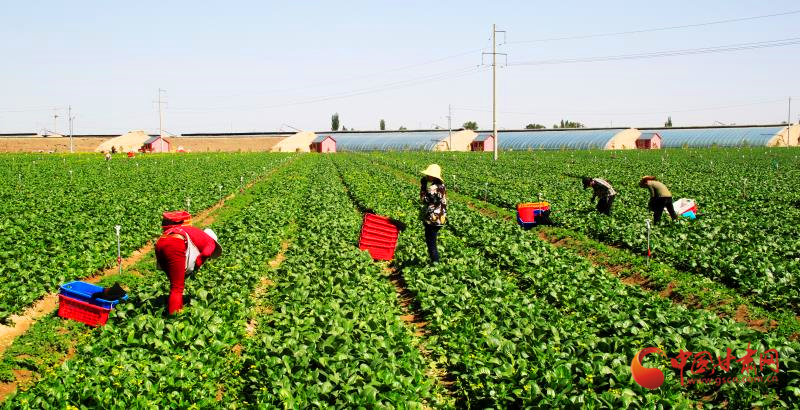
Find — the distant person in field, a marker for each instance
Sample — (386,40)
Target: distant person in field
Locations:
(180,251)
(108,156)
(433,195)
(113,149)
(603,190)
(660,197)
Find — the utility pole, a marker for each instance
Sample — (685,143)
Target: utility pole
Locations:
(494,54)
(450,126)
(789,124)
(55,118)
(69,115)
(160,119)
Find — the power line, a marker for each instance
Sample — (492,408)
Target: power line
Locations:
(31,109)
(667,53)
(650,30)
(354,78)
(590,113)
(369,90)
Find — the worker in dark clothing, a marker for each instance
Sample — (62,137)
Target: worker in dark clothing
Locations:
(433,195)
(603,190)
(180,251)
(660,197)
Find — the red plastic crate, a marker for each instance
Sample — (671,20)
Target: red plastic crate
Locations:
(379,237)
(88,313)
(527,212)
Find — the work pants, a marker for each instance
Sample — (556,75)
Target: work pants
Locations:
(171,254)
(431,234)
(658,204)
(604,205)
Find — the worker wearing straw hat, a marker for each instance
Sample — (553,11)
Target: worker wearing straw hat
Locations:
(660,197)
(181,250)
(433,195)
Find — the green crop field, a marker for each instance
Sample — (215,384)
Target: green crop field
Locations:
(294,315)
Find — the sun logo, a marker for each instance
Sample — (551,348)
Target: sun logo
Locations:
(645,376)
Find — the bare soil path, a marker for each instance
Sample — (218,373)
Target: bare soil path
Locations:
(49,303)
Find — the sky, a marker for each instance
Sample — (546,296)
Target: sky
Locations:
(240,66)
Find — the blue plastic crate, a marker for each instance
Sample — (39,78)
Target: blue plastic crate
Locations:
(83,291)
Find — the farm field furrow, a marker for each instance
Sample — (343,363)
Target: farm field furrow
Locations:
(294,315)
(58,212)
(520,323)
(333,336)
(141,359)
(747,236)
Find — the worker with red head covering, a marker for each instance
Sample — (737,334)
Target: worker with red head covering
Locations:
(181,250)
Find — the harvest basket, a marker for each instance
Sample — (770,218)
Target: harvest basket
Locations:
(685,207)
(88,313)
(83,291)
(378,236)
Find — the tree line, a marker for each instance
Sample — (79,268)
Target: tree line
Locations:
(472,125)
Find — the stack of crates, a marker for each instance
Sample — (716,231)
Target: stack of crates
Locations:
(528,212)
(75,302)
(378,236)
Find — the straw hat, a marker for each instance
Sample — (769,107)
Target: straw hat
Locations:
(175,218)
(433,170)
(218,249)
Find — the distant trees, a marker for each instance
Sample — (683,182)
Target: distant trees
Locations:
(383,125)
(534,126)
(335,122)
(470,125)
(402,128)
(668,124)
(569,124)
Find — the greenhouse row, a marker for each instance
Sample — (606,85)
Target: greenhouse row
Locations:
(550,139)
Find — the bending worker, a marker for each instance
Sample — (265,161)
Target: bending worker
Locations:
(434,207)
(660,197)
(180,251)
(603,190)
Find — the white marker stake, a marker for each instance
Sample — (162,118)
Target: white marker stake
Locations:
(647,221)
(189,205)
(241,184)
(220,191)
(70,175)
(119,250)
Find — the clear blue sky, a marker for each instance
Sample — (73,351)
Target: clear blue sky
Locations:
(245,66)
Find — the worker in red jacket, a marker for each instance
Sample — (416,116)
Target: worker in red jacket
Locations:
(181,250)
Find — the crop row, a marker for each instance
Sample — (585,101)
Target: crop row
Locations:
(520,323)
(334,337)
(747,237)
(141,359)
(58,213)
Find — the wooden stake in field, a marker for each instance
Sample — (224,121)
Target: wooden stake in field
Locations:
(647,222)
(119,249)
